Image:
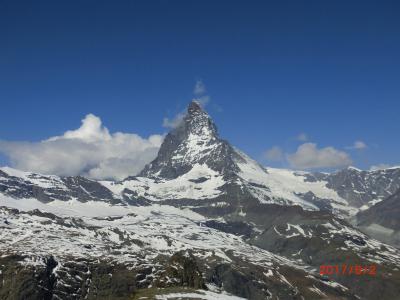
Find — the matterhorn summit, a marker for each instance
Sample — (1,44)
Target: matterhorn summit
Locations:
(194,141)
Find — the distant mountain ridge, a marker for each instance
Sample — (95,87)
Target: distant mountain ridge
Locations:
(47,188)
(360,187)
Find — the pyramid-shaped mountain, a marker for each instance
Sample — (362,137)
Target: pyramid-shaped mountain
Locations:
(194,141)
(194,163)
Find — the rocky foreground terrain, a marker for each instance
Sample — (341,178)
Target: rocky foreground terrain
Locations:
(202,221)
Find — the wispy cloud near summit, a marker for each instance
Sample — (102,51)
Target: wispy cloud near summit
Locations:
(199,93)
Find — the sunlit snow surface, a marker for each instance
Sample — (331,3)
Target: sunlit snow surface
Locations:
(135,234)
(92,229)
(203,295)
(282,186)
(44,181)
(183,187)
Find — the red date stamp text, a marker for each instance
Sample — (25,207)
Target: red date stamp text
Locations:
(347,270)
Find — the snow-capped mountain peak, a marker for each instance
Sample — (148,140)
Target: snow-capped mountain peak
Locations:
(194,141)
(199,122)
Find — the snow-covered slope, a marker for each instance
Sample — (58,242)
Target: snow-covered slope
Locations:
(39,180)
(137,236)
(287,187)
(200,182)
(47,188)
(132,236)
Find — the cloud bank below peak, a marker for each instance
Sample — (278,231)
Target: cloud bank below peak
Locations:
(309,156)
(91,151)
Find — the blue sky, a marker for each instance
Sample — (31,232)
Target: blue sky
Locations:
(272,69)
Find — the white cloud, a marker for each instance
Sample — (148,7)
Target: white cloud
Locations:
(358,145)
(308,156)
(89,151)
(274,154)
(175,121)
(203,100)
(302,137)
(199,88)
(199,91)
(91,130)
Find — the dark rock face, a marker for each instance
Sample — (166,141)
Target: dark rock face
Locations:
(237,228)
(83,188)
(108,281)
(133,199)
(75,279)
(17,282)
(182,270)
(251,282)
(316,244)
(385,213)
(193,141)
(51,264)
(322,204)
(238,283)
(84,279)
(382,220)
